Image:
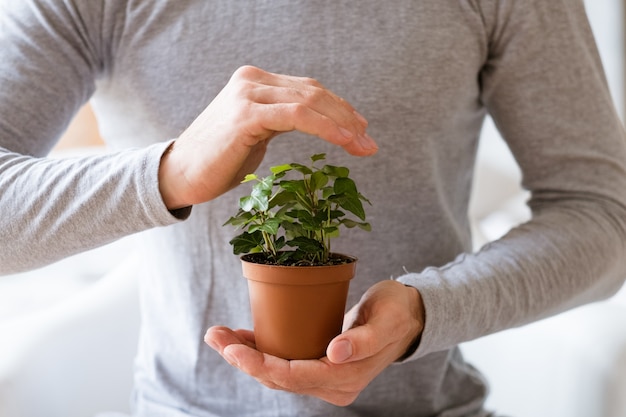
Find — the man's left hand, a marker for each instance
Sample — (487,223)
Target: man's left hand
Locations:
(380,328)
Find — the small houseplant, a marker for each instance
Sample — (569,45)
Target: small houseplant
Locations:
(298,286)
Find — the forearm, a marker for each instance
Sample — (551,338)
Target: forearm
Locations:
(54,208)
(570,253)
(546,92)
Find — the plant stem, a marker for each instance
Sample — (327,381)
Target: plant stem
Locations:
(269,244)
(267,238)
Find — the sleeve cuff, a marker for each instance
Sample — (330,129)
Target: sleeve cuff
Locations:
(430,340)
(151,196)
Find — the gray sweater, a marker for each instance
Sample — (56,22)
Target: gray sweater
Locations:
(425,73)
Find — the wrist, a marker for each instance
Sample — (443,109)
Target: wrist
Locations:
(418,315)
(170,179)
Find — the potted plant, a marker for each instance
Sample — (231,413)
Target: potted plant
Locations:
(298,287)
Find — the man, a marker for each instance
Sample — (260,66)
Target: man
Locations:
(423,74)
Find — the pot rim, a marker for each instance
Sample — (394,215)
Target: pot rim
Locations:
(299,275)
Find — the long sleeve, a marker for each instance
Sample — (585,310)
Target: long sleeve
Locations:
(544,85)
(50,58)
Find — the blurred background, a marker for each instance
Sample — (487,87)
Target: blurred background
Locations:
(68,331)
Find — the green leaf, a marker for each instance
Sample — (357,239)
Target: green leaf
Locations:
(293,229)
(259,198)
(311,224)
(365,226)
(240,219)
(269,226)
(327,192)
(281,214)
(306,244)
(305,202)
(261,192)
(278,169)
(249,177)
(295,186)
(282,198)
(318,180)
(284,258)
(318,157)
(280,243)
(332,231)
(363,198)
(345,186)
(321,217)
(351,223)
(350,203)
(302,168)
(337,172)
(336,214)
(247,242)
(322,205)
(306,219)
(254,202)
(264,185)
(348,197)
(246,203)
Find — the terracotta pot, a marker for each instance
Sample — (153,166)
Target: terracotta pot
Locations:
(297,310)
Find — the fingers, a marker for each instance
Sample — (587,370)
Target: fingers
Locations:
(285,103)
(284,117)
(356,344)
(387,320)
(312,94)
(302,86)
(307,377)
(248,336)
(218,337)
(336,384)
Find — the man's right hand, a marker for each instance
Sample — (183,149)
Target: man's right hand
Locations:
(229,138)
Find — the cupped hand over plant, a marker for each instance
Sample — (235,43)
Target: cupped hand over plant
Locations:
(380,329)
(230,137)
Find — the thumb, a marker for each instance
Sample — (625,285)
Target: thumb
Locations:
(357,343)
(388,314)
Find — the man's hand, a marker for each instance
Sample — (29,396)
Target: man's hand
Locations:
(380,328)
(229,138)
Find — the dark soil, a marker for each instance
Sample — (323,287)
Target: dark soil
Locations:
(261,258)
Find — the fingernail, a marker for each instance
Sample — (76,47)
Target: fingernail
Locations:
(211,344)
(342,351)
(346,132)
(230,358)
(360,117)
(367,142)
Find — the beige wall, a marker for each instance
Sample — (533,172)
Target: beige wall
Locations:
(83,131)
